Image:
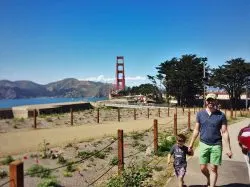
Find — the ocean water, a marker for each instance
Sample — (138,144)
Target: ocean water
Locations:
(8,103)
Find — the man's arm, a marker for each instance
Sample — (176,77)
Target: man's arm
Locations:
(195,135)
(226,138)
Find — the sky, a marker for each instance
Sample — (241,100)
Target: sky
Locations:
(49,40)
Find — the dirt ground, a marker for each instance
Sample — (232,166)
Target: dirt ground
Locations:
(20,140)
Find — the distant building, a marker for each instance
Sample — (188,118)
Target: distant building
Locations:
(225,96)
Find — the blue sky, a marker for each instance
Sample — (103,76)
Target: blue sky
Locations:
(49,40)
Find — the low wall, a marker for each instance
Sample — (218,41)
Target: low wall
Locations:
(28,111)
(6,113)
(60,109)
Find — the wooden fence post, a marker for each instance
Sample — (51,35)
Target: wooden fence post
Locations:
(176,110)
(175,124)
(155,136)
(159,112)
(35,115)
(134,114)
(16,174)
(120,152)
(148,113)
(98,115)
(168,111)
(118,111)
(183,111)
(189,121)
(71,116)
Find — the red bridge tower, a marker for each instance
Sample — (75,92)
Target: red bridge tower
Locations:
(120,74)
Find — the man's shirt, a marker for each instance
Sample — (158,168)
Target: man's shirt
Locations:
(210,126)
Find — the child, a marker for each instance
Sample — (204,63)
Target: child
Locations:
(179,150)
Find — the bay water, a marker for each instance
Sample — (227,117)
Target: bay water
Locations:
(9,103)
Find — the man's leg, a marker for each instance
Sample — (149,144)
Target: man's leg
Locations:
(213,175)
(205,171)
(204,160)
(215,161)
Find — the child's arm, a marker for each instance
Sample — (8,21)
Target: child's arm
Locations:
(169,158)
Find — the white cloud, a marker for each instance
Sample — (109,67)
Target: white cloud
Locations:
(130,81)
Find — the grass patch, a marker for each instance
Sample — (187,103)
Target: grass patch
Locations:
(7,160)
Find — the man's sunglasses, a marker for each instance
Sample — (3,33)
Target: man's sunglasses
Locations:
(210,100)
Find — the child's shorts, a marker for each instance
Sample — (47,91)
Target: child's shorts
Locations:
(180,171)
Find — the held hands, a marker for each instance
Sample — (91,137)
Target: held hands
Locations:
(229,154)
(190,149)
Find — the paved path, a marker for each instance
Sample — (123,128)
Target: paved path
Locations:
(232,173)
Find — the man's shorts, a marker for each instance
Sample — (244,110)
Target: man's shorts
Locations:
(180,171)
(210,154)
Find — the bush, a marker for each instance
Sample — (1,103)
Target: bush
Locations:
(84,154)
(3,174)
(7,160)
(70,167)
(39,171)
(61,160)
(114,161)
(67,174)
(165,145)
(50,182)
(133,176)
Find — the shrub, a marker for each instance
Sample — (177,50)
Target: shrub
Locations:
(70,167)
(7,160)
(135,143)
(133,176)
(67,174)
(49,182)
(136,136)
(3,174)
(39,171)
(100,155)
(84,154)
(165,145)
(114,161)
(61,160)
(142,147)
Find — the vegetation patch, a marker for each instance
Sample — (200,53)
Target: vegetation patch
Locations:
(7,160)
(3,174)
(49,182)
(133,176)
(39,171)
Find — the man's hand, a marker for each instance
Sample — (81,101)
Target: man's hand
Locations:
(229,154)
(190,151)
(190,148)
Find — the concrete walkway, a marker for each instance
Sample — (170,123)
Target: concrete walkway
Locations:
(232,173)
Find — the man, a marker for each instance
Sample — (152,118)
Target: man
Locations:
(211,125)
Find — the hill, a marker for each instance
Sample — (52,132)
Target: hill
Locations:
(65,88)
